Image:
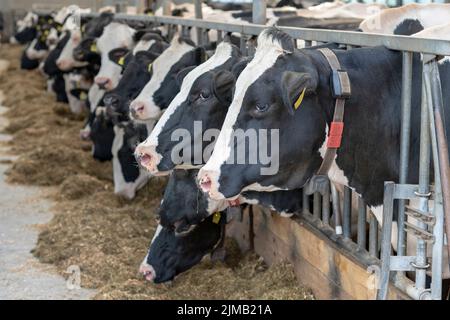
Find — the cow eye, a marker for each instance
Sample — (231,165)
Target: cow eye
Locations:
(204,95)
(262,107)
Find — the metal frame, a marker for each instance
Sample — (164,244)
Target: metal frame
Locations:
(431,133)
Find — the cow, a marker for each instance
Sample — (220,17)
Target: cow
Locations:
(408,19)
(204,96)
(192,225)
(25,29)
(163,87)
(265,94)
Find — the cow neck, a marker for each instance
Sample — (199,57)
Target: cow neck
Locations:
(341,90)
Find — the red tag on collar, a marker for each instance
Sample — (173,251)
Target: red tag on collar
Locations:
(335,136)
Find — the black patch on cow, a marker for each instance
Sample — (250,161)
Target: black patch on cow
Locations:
(408,27)
(26,35)
(50,67)
(286,41)
(27,63)
(133,135)
(59,87)
(102,135)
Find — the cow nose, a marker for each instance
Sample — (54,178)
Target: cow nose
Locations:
(85,134)
(137,108)
(205,182)
(103,82)
(147,271)
(62,65)
(51,41)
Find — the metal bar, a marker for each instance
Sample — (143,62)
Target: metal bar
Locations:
(434,96)
(335,201)
(219,36)
(373,236)
(305,202)
(404,145)
(259,12)
(347,216)
(394,42)
(198,15)
(388,212)
(361,224)
(424,176)
(242,45)
(326,207)
(443,153)
(316,205)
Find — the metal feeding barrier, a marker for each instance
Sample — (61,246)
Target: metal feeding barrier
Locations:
(326,210)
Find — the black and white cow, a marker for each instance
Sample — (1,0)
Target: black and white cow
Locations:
(163,86)
(191,224)
(204,98)
(25,29)
(408,19)
(264,99)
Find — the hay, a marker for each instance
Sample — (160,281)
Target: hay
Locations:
(107,236)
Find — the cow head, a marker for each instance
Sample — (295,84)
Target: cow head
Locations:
(115,35)
(66,60)
(162,87)
(203,99)
(128,176)
(87,51)
(170,255)
(276,105)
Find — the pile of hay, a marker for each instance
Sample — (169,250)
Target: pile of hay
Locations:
(107,236)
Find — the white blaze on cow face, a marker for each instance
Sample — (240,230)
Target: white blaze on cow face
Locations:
(223,54)
(144,104)
(115,35)
(143,45)
(267,53)
(65,60)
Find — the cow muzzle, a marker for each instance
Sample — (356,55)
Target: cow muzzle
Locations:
(208,182)
(147,157)
(104,83)
(147,271)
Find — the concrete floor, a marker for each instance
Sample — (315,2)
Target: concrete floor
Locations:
(22,208)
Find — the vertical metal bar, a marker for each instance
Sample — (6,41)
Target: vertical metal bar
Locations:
(242,45)
(259,12)
(373,236)
(308,43)
(424,176)
(335,200)
(347,216)
(316,206)
(205,36)
(305,202)
(198,15)
(433,98)
(385,257)
(361,224)
(404,145)
(443,151)
(326,207)
(219,36)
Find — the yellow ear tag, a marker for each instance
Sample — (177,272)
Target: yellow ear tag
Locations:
(150,14)
(46,32)
(83,96)
(94,47)
(216,217)
(121,61)
(300,99)
(149,69)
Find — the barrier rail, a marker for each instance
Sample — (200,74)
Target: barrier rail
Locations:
(431,134)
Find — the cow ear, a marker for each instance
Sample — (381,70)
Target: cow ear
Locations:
(238,67)
(223,83)
(180,75)
(118,56)
(294,87)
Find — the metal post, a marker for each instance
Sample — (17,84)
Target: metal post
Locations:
(305,202)
(316,206)
(373,236)
(167,7)
(242,45)
(219,36)
(347,216)
(335,200)
(424,188)
(404,145)
(434,98)
(361,224)
(198,15)
(259,12)
(326,206)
